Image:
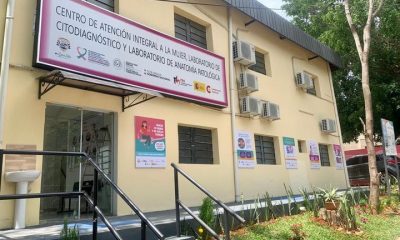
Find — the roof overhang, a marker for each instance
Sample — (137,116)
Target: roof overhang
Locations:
(68,79)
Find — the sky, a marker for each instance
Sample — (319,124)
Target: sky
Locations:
(275,4)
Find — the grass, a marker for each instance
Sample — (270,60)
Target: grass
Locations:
(376,227)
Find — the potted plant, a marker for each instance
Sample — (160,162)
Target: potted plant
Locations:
(331,198)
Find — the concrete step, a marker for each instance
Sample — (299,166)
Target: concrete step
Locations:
(180,238)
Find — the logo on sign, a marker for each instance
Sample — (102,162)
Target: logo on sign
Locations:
(81,53)
(199,86)
(63,44)
(117,63)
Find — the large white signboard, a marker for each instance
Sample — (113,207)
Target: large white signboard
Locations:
(78,36)
(388,137)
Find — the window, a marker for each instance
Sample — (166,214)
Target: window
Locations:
(260,64)
(324,155)
(302,146)
(106,4)
(195,145)
(189,31)
(265,150)
(312,91)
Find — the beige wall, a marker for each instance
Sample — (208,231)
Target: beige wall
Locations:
(152,189)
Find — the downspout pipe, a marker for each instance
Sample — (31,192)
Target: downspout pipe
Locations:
(232,106)
(5,62)
(338,126)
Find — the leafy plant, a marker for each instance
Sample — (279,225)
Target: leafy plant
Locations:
(329,195)
(297,232)
(269,208)
(68,233)
(347,211)
(207,215)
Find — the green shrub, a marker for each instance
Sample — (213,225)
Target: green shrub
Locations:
(68,233)
(207,215)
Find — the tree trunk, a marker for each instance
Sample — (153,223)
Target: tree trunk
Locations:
(369,137)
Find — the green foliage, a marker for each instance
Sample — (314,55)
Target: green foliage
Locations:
(347,211)
(207,215)
(68,233)
(329,195)
(325,20)
(269,208)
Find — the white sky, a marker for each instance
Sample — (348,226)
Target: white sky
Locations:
(275,4)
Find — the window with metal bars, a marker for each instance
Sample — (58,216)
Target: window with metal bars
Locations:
(313,90)
(189,31)
(106,4)
(324,155)
(260,64)
(265,150)
(195,145)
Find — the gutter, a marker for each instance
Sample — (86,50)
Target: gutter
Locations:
(5,61)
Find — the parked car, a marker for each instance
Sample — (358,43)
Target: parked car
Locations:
(357,168)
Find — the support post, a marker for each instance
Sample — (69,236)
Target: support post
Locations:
(227,227)
(178,218)
(95,188)
(143,230)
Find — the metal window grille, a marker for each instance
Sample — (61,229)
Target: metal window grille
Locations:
(324,155)
(312,91)
(265,150)
(106,4)
(260,64)
(195,145)
(189,31)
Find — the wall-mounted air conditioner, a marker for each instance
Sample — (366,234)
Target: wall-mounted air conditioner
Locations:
(269,110)
(304,80)
(248,82)
(244,53)
(328,125)
(249,105)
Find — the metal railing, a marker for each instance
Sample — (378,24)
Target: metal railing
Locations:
(178,203)
(145,222)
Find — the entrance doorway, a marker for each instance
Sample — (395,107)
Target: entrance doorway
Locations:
(71,129)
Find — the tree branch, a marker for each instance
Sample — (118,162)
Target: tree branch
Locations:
(378,8)
(353,29)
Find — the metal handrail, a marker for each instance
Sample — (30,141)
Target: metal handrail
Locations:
(65,194)
(144,220)
(178,203)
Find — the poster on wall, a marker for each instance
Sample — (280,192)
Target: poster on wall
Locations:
(244,150)
(314,154)
(289,150)
(150,142)
(388,137)
(338,156)
(80,37)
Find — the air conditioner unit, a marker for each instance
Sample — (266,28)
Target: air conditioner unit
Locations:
(304,80)
(328,125)
(248,82)
(249,105)
(270,110)
(244,53)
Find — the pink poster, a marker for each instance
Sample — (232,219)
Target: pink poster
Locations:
(338,156)
(314,154)
(150,142)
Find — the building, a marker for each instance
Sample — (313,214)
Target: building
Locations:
(140,98)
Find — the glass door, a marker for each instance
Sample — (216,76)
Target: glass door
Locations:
(75,130)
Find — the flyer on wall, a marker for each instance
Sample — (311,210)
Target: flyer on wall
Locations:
(290,153)
(314,154)
(244,150)
(338,156)
(150,142)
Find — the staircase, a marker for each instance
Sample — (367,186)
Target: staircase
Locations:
(102,227)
